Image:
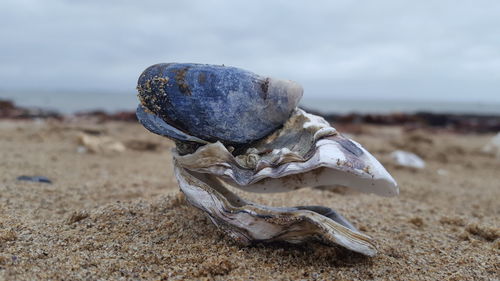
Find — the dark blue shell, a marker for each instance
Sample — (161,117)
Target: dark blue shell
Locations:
(214,102)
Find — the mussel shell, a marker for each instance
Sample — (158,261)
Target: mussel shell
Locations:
(217,103)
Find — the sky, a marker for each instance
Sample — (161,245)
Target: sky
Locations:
(382,50)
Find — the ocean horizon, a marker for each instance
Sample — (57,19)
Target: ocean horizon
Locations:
(69,103)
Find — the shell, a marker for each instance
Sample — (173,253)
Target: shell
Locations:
(247,222)
(215,103)
(305,152)
(207,109)
(407,159)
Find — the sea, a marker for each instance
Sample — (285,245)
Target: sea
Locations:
(69,103)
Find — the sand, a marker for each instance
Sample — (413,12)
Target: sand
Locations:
(117,213)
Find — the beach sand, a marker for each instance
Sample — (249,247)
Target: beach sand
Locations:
(116,213)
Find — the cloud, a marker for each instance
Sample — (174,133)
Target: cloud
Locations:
(377,49)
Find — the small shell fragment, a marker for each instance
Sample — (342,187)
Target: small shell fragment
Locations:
(407,159)
(493,146)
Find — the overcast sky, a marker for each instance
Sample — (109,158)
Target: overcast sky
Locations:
(435,50)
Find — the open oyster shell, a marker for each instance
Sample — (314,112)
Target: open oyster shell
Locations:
(305,152)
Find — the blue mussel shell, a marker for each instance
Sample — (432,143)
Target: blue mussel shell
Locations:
(187,101)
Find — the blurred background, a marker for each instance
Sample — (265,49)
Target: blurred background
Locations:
(364,56)
(86,192)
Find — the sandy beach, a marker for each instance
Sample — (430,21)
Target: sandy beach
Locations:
(114,211)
